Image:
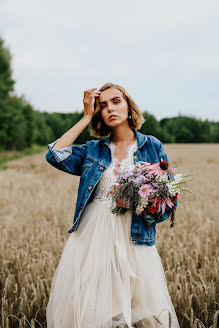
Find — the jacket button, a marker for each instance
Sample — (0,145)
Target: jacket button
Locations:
(90,187)
(81,206)
(101,168)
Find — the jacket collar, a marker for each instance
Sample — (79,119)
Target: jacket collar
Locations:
(141,139)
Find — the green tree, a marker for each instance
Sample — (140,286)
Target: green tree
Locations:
(215,132)
(16,115)
(187,129)
(42,133)
(152,127)
(16,124)
(6,81)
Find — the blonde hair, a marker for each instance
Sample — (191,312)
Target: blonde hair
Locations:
(99,129)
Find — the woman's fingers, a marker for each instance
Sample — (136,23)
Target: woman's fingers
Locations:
(89,91)
(89,96)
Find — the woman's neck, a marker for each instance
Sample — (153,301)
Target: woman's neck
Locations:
(123,135)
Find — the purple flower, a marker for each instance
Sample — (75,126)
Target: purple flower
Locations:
(140,179)
(126,175)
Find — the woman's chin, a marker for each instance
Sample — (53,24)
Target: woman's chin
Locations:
(115,123)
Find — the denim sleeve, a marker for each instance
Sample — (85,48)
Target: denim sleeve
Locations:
(68,159)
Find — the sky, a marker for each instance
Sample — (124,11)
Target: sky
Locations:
(165,53)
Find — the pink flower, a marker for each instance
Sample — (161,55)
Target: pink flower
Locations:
(160,169)
(145,190)
(117,166)
(168,202)
(144,165)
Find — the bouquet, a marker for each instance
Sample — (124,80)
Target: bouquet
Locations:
(147,188)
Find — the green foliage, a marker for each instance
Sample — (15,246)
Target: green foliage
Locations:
(186,129)
(6,82)
(16,124)
(152,127)
(42,133)
(214,132)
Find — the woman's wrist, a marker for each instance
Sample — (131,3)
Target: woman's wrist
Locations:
(87,118)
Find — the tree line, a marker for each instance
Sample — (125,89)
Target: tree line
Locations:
(21,125)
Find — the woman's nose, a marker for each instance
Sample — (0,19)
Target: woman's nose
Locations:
(110,108)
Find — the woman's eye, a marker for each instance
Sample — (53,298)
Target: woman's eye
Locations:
(115,102)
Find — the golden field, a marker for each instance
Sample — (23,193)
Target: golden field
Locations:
(36,209)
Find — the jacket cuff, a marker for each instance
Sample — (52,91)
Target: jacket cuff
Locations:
(60,154)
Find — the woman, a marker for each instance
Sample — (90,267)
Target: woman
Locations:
(110,273)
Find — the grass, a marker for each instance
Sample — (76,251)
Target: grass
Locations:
(36,209)
(6,156)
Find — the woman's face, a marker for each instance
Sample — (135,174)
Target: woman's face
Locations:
(113,107)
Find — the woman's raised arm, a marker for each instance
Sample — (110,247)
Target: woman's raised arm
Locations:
(71,135)
(62,154)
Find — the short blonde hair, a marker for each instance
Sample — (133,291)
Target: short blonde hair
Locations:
(99,129)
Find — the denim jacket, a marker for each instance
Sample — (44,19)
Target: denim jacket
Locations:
(90,160)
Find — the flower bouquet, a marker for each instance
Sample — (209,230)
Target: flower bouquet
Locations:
(147,188)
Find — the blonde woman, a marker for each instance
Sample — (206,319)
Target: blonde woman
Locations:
(110,273)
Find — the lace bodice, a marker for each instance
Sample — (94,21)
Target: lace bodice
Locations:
(108,178)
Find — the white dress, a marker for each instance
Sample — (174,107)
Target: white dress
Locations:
(103,280)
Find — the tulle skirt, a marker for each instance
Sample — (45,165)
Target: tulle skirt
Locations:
(103,280)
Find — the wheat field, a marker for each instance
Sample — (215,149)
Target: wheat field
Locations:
(36,208)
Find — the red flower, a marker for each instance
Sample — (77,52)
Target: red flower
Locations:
(164,165)
(175,197)
(153,207)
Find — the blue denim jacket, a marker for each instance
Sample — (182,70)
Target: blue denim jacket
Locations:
(90,160)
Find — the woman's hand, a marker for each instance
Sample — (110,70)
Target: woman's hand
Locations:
(88,101)
(69,137)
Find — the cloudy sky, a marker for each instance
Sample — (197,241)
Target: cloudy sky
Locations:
(164,52)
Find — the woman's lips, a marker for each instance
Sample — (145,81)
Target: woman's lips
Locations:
(113,116)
